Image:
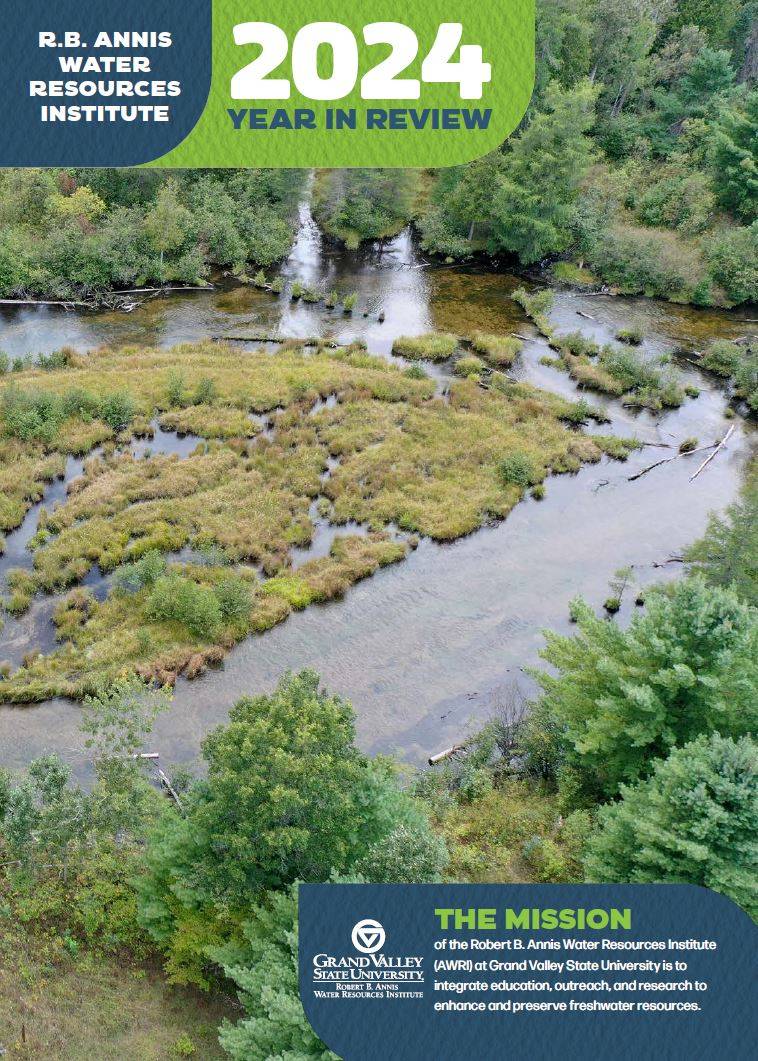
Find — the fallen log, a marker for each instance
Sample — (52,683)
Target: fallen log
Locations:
(446,754)
(720,445)
(153,290)
(44,302)
(588,316)
(262,338)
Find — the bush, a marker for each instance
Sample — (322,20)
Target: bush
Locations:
(234,599)
(653,262)
(31,415)
(206,392)
(180,600)
(175,389)
(732,255)
(130,578)
(518,469)
(722,357)
(117,410)
(408,855)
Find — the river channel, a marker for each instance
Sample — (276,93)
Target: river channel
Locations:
(429,647)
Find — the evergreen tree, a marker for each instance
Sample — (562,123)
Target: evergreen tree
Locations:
(541,176)
(623,698)
(727,554)
(264,966)
(694,821)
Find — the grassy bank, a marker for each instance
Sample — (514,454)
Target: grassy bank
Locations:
(56,1002)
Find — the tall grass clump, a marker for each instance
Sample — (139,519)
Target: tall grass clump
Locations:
(537,306)
(434,346)
(501,350)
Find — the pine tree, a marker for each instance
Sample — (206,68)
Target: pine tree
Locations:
(694,821)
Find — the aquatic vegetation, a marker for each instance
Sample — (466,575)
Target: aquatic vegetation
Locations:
(633,336)
(395,456)
(738,362)
(499,350)
(434,346)
(618,371)
(537,306)
(469,367)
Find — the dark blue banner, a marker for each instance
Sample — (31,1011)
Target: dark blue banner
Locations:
(490,971)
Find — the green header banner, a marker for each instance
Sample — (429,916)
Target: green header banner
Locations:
(398,83)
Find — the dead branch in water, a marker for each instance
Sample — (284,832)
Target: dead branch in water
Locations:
(667,460)
(720,445)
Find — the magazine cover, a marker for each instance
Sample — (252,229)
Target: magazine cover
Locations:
(378,530)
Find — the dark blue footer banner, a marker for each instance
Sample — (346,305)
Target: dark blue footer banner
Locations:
(527,971)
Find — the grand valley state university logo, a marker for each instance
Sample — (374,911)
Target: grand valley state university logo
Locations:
(369,973)
(368,936)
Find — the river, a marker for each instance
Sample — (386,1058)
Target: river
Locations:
(429,647)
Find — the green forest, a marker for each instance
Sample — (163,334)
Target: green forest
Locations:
(146,924)
(637,763)
(634,167)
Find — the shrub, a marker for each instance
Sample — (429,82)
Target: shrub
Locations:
(234,599)
(175,388)
(31,415)
(579,345)
(733,261)
(518,469)
(654,262)
(722,357)
(205,392)
(410,854)
(117,410)
(130,578)
(178,599)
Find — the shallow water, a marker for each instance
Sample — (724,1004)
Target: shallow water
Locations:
(428,647)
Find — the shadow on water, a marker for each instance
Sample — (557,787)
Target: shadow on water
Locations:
(426,647)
